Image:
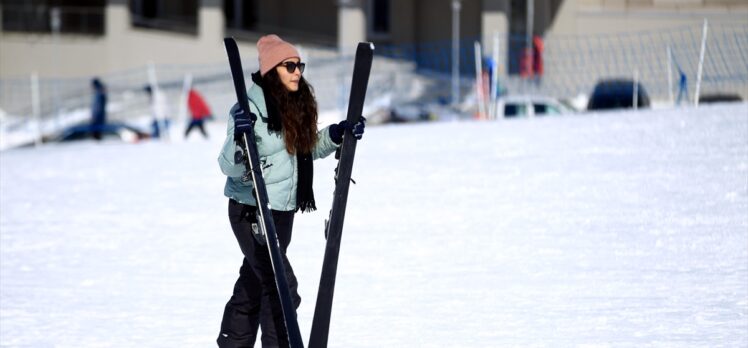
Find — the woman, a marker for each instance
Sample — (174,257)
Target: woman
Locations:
(283,117)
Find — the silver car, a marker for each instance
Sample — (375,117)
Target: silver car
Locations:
(531,106)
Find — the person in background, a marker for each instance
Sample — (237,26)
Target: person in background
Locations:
(199,112)
(537,58)
(159,110)
(682,87)
(98,108)
(283,117)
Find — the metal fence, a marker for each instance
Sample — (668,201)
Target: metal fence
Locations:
(52,104)
(575,63)
(572,65)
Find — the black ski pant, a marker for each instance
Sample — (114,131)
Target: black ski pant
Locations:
(255,301)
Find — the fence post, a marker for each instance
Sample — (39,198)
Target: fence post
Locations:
(636,89)
(158,103)
(701,63)
(495,76)
(341,72)
(455,52)
(479,92)
(36,109)
(3,129)
(55,22)
(670,75)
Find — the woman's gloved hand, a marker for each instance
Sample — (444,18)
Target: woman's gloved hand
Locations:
(357,129)
(244,122)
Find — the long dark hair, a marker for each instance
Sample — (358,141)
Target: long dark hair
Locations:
(298,112)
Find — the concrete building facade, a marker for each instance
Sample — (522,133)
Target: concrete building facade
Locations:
(136,32)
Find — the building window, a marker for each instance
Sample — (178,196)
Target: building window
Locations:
(240,14)
(171,15)
(54,16)
(379,19)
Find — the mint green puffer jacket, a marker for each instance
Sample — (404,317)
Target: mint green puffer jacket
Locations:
(280,169)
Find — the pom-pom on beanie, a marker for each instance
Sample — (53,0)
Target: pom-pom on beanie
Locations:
(272,51)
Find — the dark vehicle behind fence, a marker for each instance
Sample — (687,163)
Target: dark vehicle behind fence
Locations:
(617,94)
(720,98)
(111,130)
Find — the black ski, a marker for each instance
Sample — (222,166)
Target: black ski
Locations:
(265,218)
(334,226)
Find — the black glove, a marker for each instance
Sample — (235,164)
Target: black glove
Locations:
(357,129)
(244,122)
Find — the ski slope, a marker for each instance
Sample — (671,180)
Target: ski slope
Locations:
(624,229)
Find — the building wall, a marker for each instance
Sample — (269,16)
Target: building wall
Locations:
(403,15)
(617,16)
(433,20)
(309,20)
(122,46)
(332,22)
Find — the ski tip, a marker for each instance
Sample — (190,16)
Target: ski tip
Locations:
(369,46)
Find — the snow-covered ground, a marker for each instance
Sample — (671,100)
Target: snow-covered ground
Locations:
(598,230)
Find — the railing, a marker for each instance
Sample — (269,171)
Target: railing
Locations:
(572,65)
(58,99)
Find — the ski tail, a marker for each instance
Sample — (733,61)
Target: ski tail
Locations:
(237,73)
(252,161)
(334,227)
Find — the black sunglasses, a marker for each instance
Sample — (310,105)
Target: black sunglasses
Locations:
(291,66)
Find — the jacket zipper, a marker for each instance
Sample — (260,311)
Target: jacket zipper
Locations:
(293,183)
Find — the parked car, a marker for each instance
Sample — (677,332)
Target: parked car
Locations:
(531,105)
(617,94)
(720,98)
(420,111)
(409,112)
(113,130)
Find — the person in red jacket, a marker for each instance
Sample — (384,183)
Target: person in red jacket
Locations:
(199,111)
(537,58)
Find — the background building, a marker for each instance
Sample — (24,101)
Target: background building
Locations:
(101,36)
(51,49)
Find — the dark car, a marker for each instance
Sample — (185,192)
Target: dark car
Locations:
(409,112)
(116,130)
(617,94)
(720,98)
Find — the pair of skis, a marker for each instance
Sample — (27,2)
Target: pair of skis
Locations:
(334,226)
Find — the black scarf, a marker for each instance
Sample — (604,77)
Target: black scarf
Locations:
(304,192)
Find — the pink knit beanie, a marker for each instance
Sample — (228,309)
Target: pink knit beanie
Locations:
(272,51)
